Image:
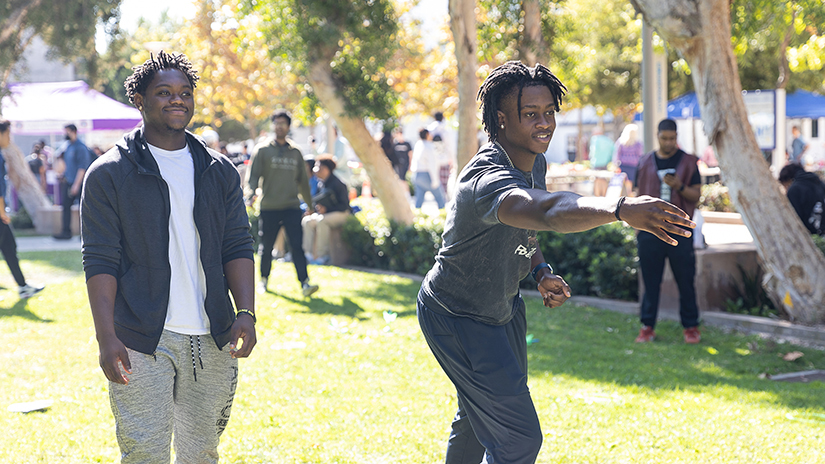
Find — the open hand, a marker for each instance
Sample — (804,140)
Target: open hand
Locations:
(657,217)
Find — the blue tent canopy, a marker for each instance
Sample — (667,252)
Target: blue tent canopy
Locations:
(800,104)
(804,104)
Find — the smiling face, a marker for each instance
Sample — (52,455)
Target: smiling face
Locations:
(167,106)
(527,129)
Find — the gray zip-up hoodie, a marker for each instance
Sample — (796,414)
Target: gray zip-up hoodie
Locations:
(124,214)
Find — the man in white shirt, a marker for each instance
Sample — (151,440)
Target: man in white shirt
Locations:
(163,220)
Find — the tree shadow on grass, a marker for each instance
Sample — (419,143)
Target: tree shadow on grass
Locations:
(400,295)
(319,306)
(20,309)
(597,345)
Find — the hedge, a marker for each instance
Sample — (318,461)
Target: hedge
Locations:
(600,262)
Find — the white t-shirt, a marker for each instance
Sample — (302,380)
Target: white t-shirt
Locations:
(186,313)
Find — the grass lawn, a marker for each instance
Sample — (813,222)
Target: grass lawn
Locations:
(332,381)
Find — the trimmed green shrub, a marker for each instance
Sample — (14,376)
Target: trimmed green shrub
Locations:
(715,197)
(376,242)
(21,219)
(600,262)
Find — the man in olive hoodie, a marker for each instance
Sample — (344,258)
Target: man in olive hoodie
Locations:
(165,239)
(277,166)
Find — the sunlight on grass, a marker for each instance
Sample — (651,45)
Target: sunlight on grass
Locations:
(334,380)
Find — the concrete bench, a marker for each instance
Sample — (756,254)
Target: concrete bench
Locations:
(49,220)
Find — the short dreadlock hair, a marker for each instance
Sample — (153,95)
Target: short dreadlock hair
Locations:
(513,76)
(142,75)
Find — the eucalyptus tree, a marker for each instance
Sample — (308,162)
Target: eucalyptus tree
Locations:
(701,31)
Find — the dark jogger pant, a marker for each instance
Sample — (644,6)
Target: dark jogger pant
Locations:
(8,247)
(269,225)
(496,421)
(682,257)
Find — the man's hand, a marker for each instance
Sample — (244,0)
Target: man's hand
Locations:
(75,189)
(674,182)
(657,217)
(5,217)
(320,209)
(113,357)
(554,290)
(243,328)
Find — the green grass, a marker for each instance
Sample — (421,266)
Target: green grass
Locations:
(332,382)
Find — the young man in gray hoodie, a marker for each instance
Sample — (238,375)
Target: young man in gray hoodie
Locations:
(165,239)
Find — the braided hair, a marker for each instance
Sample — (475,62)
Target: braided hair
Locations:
(142,75)
(510,77)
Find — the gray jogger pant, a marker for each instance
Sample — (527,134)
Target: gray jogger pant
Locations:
(165,394)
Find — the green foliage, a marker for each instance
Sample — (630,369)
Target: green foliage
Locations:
(21,219)
(751,298)
(715,197)
(67,27)
(601,262)
(379,243)
(356,38)
(819,241)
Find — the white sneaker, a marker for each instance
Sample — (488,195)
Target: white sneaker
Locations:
(27,291)
(308,288)
(262,285)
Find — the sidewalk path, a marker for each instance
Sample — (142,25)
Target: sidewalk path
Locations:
(45,243)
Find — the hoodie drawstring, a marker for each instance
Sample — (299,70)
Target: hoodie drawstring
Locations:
(192,350)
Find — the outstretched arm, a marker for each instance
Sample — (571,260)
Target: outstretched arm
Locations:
(569,212)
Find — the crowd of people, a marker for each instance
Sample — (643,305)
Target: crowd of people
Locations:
(159,285)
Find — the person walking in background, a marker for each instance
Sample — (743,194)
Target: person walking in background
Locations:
(77,159)
(331,211)
(159,284)
(424,166)
(628,151)
(8,245)
(469,307)
(402,150)
(798,146)
(672,175)
(277,166)
(806,192)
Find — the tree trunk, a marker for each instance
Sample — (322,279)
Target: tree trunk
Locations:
(26,185)
(378,166)
(463,27)
(795,269)
(531,42)
(784,68)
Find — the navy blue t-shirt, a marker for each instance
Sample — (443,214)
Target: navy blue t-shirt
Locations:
(481,260)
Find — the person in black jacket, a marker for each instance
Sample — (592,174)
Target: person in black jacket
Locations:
(806,192)
(331,210)
(162,208)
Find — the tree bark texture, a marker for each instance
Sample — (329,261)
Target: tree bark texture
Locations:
(463,28)
(795,269)
(532,43)
(26,185)
(379,169)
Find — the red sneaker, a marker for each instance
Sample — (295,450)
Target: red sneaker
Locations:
(692,335)
(646,335)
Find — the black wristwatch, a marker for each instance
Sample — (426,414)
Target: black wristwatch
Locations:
(538,268)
